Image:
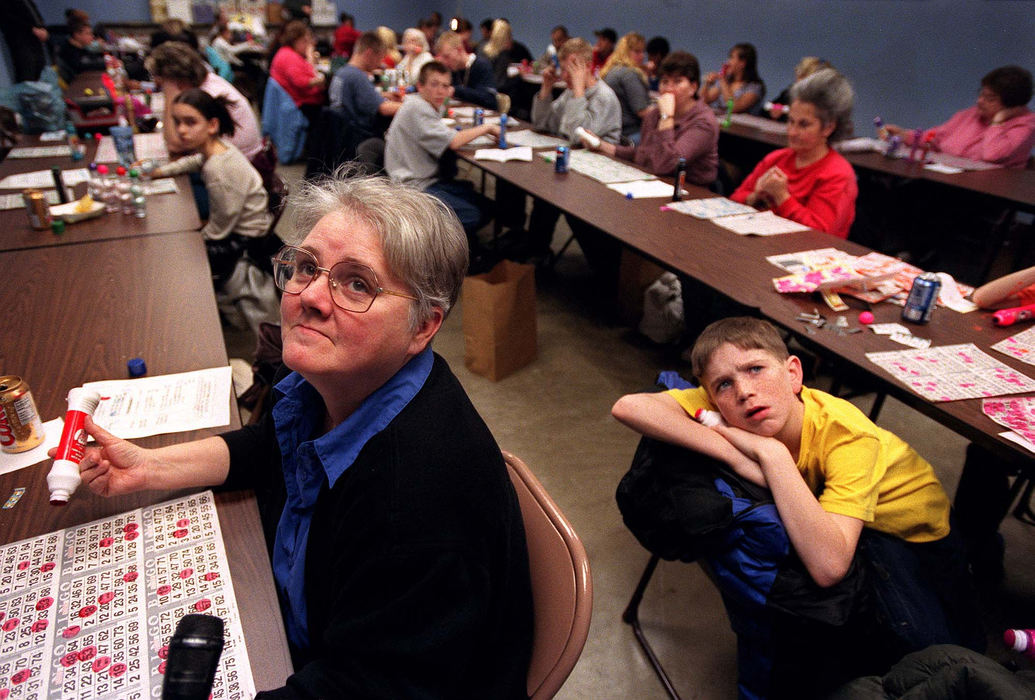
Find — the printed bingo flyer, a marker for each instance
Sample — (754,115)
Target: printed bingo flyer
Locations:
(87,612)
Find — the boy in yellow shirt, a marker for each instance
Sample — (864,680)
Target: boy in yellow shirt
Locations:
(839,482)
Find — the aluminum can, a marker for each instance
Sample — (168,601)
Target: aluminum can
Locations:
(20,426)
(37,208)
(479,116)
(560,162)
(922,298)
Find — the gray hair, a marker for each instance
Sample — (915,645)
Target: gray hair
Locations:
(414,33)
(832,96)
(423,241)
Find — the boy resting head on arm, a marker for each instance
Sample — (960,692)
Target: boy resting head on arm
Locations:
(839,482)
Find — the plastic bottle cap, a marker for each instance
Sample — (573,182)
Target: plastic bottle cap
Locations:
(62,481)
(57,226)
(137,367)
(85,400)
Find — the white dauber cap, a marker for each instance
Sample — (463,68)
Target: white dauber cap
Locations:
(85,400)
(709,419)
(63,480)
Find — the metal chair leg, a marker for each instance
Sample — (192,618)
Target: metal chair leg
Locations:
(631,617)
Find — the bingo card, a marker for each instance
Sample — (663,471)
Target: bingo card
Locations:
(87,612)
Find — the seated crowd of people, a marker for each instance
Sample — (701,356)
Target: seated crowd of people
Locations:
(395,536)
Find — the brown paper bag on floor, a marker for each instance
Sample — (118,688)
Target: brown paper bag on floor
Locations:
(499,320)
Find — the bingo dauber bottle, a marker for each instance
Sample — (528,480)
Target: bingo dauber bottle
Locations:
(63,478)
(503,132)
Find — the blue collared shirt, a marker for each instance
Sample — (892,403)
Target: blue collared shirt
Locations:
(309,463)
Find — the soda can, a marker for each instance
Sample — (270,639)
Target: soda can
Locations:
(20,426)
(560,162)
(37,208)
(479,116)
(922,298)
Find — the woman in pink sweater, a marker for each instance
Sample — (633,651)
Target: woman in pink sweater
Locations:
(999,128)
(809,182)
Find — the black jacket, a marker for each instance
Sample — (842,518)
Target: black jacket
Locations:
(417,578)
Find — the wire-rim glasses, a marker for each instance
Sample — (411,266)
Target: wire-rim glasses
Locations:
(353,286)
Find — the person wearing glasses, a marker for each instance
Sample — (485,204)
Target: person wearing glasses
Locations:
(396,539)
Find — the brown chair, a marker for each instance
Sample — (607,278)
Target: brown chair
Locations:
(562,590)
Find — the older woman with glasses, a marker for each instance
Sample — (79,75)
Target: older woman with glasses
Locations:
(397,542)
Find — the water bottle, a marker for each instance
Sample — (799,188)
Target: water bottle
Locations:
(125,201)
(503,131)
(94,183)
(136,190)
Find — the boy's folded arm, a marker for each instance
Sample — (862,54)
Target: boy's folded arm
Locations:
(824,541)
(659,416)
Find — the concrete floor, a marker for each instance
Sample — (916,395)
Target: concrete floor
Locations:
(554,414)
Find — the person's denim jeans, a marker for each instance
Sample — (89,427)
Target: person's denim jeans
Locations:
(922,592)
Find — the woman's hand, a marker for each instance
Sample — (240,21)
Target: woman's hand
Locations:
(577,73)
(1008,113)
(667,104)
(773,185)
(113,466)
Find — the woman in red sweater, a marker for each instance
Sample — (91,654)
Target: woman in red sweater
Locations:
(809,182)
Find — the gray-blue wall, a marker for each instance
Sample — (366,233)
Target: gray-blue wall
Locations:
(914,62)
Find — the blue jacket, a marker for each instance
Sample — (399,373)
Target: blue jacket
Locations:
(284,122)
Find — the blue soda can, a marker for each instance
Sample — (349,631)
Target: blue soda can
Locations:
(503,132)
(560,162)
(922,298)
(479,116)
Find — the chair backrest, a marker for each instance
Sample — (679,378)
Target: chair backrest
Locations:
(562,589)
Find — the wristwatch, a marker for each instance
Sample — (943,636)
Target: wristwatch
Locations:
(662,116)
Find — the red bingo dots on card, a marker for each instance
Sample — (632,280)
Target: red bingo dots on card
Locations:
(21,676)
(87,610)
(105,598)
(187,573)
(44,603)
(180,533)
(203,605)
(101,663)
(164,590)
(116,670)
(211,576)
(70,659)
(23,565)
(49,566)
(106,542)
(130,576)
(10,624)
(39,626)
(87,653)
(70,632)
(183,522)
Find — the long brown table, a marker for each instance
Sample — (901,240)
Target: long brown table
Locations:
(1012,185)
(77,314)
(736,267)
(166,213)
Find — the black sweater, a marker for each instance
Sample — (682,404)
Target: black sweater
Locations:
(416,579)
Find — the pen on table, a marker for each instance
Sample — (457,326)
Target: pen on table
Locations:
(55,171)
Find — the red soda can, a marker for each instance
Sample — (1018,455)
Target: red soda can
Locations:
(20,426)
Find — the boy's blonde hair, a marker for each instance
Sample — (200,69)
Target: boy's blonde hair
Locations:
(744,332)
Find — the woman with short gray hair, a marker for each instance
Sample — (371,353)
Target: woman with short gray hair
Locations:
(809,182)
(395,535)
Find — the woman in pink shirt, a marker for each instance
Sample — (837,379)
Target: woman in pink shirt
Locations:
(294,68)
(999,128)
(809,182)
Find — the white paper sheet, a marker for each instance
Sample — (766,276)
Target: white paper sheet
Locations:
(603,169)
(527,137)
(15,201)
(763,223)
(171,403)
(523,153)
(145,147)
(710,207)
(643,189)
(43,178)
(40,152)
(52,435)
